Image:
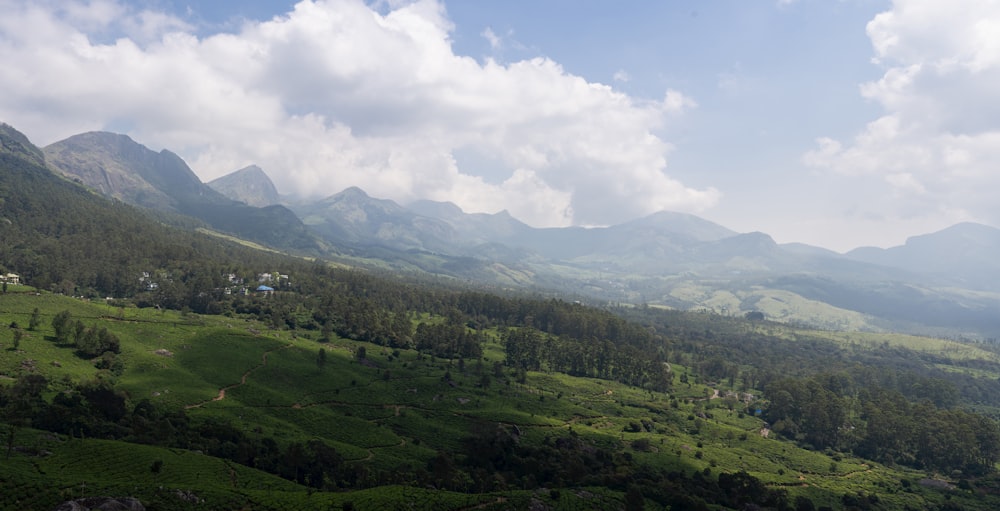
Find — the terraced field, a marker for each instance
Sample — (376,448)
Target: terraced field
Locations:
(394,408)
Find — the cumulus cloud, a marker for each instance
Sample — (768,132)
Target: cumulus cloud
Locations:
(935,150)
(336,93)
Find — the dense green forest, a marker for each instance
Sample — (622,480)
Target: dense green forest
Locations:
(693,379)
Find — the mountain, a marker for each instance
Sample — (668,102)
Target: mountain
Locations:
(14,144)
(249,185)
(60,236)
(686,262)
(472,228)
(133,386)
(352,217)
(118,167)
(938,283)
(657,236)
(963,255)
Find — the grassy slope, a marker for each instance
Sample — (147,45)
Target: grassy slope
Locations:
(393,411)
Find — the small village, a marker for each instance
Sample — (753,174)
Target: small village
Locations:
(267,283)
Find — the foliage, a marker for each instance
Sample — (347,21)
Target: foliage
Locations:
(439,394)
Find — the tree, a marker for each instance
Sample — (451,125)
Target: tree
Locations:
(156,467)
(321,358)
(634,500)
(803,503)
(18,334)
(21,402)
(62,324)
(95,341)
(35,320)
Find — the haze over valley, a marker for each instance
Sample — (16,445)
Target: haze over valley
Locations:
(940,283)
(426,254)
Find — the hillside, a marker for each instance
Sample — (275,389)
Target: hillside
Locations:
(118,167)
(334,387)
(427,431)
(60,236)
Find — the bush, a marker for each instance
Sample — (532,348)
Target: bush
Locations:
(642,444)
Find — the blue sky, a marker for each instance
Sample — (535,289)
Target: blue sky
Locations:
(834,123)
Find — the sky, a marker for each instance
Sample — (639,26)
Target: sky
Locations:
(837,123)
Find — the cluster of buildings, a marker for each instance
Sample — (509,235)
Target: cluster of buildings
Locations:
(10,278)
(266,283)
(267,279)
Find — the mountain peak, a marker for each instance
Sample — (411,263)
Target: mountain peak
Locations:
(965,251)
(966,231)
(683,224)
(15,143)
(120,167)
(249,185)
(352,191)
(107,141)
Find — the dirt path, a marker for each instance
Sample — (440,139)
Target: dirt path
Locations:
(499,500)
(243,380)
(371,450)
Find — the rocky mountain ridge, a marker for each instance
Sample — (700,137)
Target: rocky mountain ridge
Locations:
(941,280)
(116,166)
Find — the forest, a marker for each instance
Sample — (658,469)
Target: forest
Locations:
(883,402)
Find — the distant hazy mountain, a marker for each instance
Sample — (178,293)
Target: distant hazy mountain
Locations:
(249,185)
(118,167)
(688,262)
(965,254)
(659,235)
(353,217)
(472,228)
(944,282)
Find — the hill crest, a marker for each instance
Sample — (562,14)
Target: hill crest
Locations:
(249,185)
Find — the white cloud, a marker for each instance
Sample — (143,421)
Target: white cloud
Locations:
(621,76)
(495,41)
(335,94)
(936,146)
(675,102)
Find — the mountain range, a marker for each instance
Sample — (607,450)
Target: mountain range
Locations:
(120,168)
(939,283)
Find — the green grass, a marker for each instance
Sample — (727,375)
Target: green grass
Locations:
(386,422)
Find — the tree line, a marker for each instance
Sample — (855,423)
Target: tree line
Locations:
(835,412)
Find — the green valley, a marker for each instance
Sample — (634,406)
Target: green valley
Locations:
(148,358)
(231,412)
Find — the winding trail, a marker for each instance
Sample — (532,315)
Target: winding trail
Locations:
(243,379)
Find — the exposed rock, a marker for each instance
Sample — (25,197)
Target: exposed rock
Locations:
(102,504)
(188,496)
(937,484)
